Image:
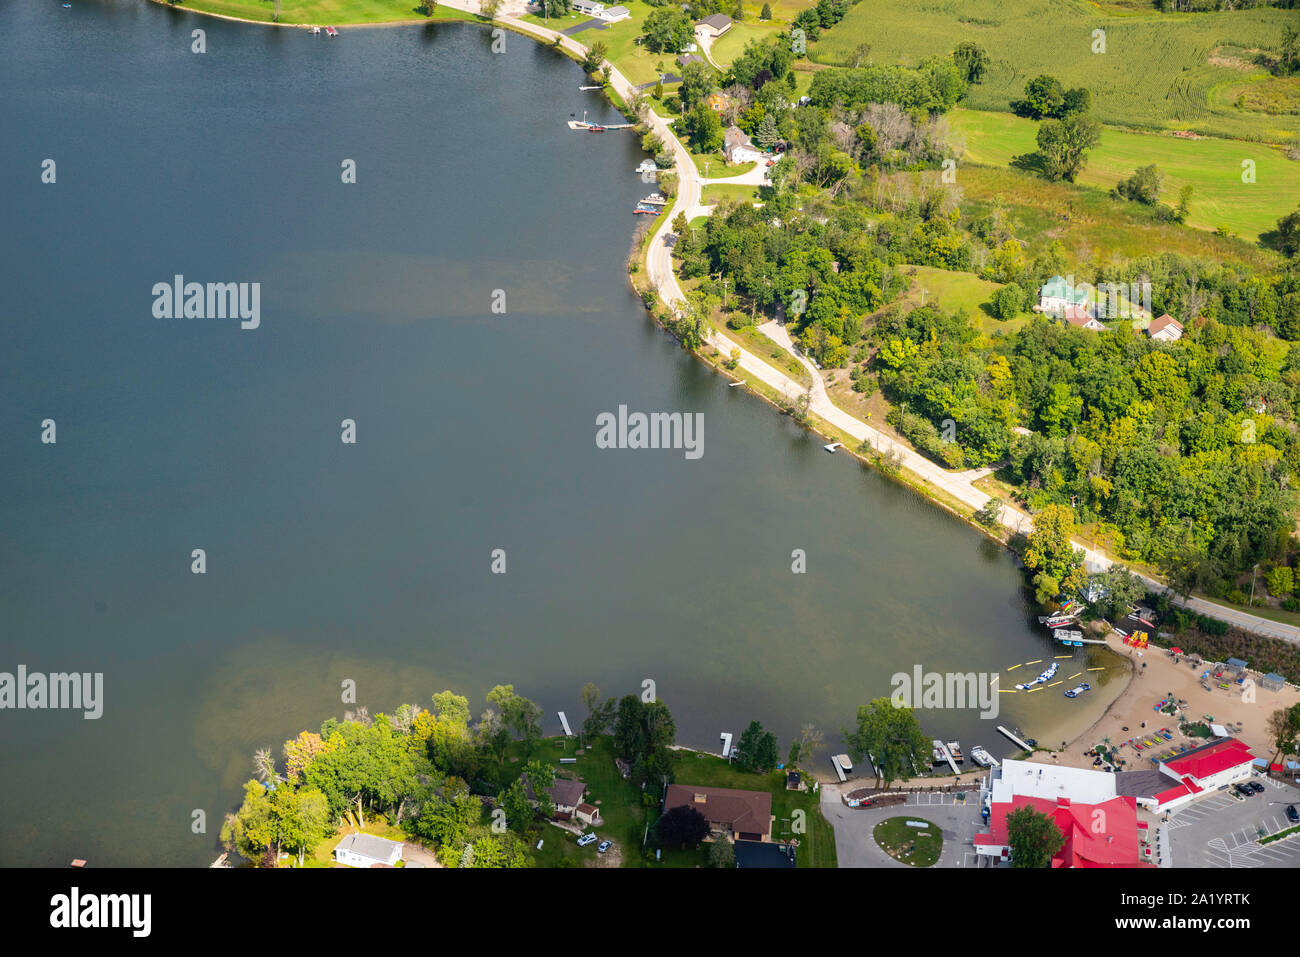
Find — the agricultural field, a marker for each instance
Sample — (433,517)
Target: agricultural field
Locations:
(1213,167)
(1159,70)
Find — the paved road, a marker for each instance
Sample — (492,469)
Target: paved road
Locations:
(659,268)
(856,847)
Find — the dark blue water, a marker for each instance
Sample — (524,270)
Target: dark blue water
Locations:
(371,562)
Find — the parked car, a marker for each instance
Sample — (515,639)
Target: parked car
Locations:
(604,846)
(586,839)
(1292,814)
(1255,786)
(1241,790)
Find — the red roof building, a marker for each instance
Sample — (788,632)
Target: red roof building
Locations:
(1206,768)
(1096,835)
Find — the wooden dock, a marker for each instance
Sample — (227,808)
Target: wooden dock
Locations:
(580,125)
(1014,738)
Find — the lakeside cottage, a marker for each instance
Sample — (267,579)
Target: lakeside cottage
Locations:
(368,850)
(741,815)
(738,148)
(565,793)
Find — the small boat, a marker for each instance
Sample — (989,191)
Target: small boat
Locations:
(591,87)
(595,129)
(1058,621)
(1078,690)
(643,211)
(983,758)
(954,749)
(655,199)
(647,166)
(833,446)
(331,31)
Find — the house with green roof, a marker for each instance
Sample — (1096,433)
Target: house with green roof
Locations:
(1058,295)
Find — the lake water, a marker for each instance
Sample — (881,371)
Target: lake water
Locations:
(475,431)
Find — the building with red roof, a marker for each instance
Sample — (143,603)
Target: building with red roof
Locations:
(1096,835)
(1207,768)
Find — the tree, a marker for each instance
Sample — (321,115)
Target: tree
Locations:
(1008,302)
(488,8)
(595,56)
(428,7)
(1034,838)
(1044,96)
(766,12)
(1143,186)
(600,714)
(705,129)
(757,749)
(721,853)
(630,738)
(1280,581)
(894,738)
(1077,100)
(988,513)
(252,830)
(697,83)
(1288,233)
(1117,590)
(519,809)
(1064,144)
(264,764)
(521,716)
(303,817)
(1057,564)
(681,826)
(808,743)
(768,136)
(971,60)
(666,30)
(1284,731)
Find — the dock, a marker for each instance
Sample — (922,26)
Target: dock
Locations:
(583,125)
(840,768)
(945,754)
(565,723)
(1014,739)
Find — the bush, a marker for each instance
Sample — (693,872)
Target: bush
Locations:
(1008,302)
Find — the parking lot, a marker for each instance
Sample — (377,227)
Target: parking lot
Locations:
(855,846)
(1224,830)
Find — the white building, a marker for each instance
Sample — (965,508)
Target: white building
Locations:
(590,7)
(615,14)
(367,850)
(1202,770)
(738,148)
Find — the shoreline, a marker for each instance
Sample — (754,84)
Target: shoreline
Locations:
(934,483)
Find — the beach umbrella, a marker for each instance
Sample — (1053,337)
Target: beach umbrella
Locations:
(1176,650)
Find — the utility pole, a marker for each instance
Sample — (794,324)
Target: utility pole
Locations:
(724,293)
(1253,571)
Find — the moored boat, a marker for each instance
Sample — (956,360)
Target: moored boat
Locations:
(983,758)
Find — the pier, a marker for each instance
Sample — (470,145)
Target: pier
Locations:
(1014,738)
(945,754)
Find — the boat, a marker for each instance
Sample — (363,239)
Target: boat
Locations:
(595,129)
(983,758)
(655,199)
(646,210)
(954,748)
(331,31)
(591,87)
(315,31)
(1078,690)
(833,446)
(1058,621)
(1047,675)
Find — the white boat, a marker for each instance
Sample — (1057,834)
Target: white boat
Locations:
(983,758)
(954,748)
(833,446)
(1047,675)
(647,166)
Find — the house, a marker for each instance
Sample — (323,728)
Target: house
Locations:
(717,101)
(588,814)
(1081,317)
(760,854)
(738,148)
(713,26)
(1165,328)
(590,7)
(615,14)
(367,850)
(741,815)
(1058,293)
(565,793)
(1203,770)
(688,58)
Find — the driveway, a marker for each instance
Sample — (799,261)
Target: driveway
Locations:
(855,847)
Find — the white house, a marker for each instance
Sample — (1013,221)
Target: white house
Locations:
(590,7)
(1058,293)
(1165,328)
(1202,770)
(615,14)
(367,850)
(1081,317)
(738,148)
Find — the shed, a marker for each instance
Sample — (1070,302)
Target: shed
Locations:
(1236,665)
(1272,682)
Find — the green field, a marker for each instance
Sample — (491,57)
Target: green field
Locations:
(1213,167)
(322,12)
(730,192)
(1157,70)
(914,846)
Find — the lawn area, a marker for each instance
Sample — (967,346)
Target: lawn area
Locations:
(323,12)
(1157,71)
(732,43)
(1211,166)
(734,192)
(951,291)
(637,64)
(911,845)
(816,846)
(718,168)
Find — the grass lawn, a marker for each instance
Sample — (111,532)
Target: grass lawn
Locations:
(734,192)
(911,845)
(732,43)
(816,845)
(718,168)
(1158,69)
(952,291)
(1211,166)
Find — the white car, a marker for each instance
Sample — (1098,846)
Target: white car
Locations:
(586,839)
(604,846)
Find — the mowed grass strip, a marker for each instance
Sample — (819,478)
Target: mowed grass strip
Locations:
(1212,167)
(322,12)
(1156,71)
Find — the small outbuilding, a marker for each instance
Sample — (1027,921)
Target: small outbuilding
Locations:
(1272,682)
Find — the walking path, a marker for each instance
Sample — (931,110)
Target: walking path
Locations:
(659,268)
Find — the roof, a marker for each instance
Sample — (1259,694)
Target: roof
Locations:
(763,854)
(1161,323)
(1114,845)
(1210,759)
(588,809)
(734,137)
(1051,781)
(368,845)
(749,812)
(686,58)
(1058,288)
(617,11)
(1078,314)
(1236,663)
(719,21)
(1143,784)
(565,792)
